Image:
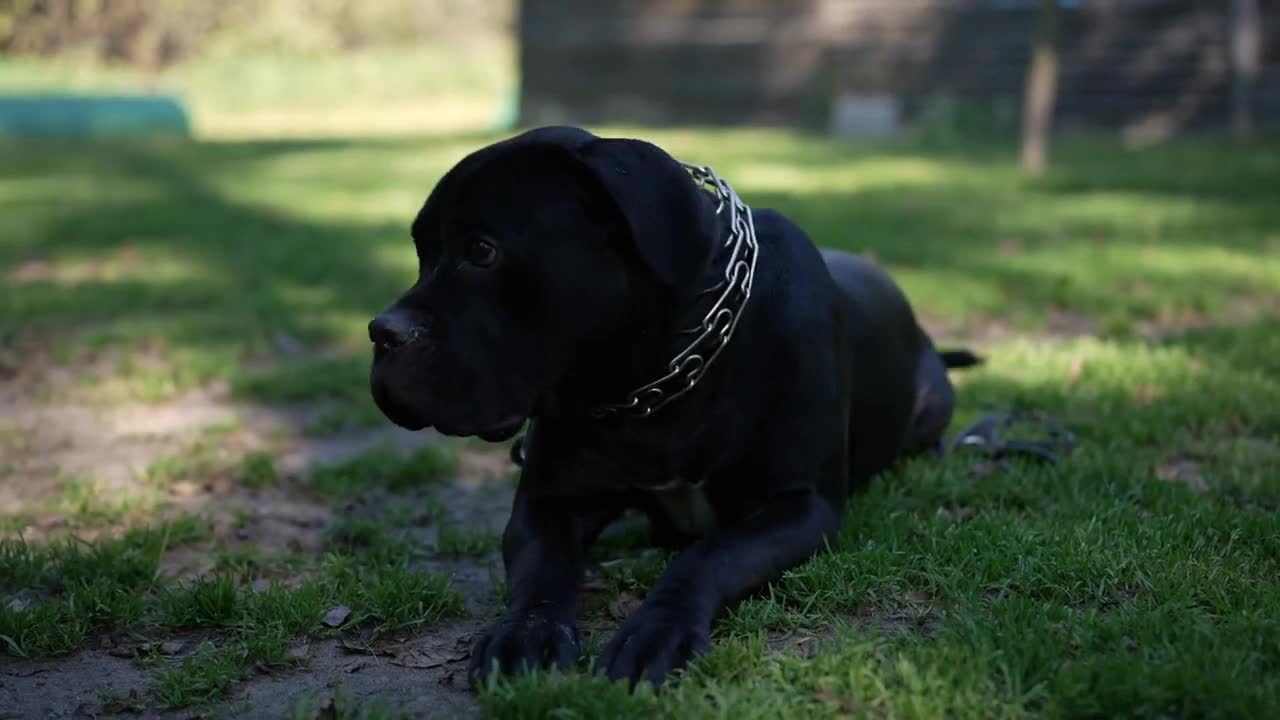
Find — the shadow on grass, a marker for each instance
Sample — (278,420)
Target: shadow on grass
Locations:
(218,253)
(190,251)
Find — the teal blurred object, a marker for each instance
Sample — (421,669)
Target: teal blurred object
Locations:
(508,112)
(67,115)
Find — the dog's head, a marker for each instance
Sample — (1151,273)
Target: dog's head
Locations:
(529,252)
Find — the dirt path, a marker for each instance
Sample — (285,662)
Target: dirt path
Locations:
(95,683)
(116,445)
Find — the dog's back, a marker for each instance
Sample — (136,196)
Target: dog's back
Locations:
(884,315)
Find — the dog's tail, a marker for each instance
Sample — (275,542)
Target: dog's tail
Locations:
(952,359)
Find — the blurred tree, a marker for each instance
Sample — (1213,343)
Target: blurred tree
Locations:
(147,33)
(155,33)
(1041,90)
(1246,61)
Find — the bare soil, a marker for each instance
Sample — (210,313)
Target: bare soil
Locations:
(423,677)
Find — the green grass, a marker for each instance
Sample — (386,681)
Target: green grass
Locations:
(203,677)
(123,252)
(376,542)
(1131,294)
(199,461)
(340,383)
(258,470)
(383,468)
(339,706)
(1094,589)
(53,597)
(459,542)
(57,597)
(398,600)
(84,501)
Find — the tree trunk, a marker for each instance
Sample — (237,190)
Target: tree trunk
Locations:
(1246,57)
(1041,91)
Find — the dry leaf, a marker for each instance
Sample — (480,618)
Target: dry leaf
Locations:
(621,607)
(29,270)
(803,647)
(982,469)
(360,645)
(1146,394)
(185,488)
(1076,367)
(327,710)
(1184,471)
(288,344)
(356,665)
(131,702)
(844,702)
(1009,246)
(172,647)
(335,617)
(426,657)
(919,597)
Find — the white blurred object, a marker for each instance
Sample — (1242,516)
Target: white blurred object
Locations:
(864,116)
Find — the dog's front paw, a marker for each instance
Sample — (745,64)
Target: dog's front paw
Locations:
(522,643)
(653,642)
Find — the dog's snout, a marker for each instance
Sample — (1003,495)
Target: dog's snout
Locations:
(393,328)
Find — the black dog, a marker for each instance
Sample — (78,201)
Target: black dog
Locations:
(676,353)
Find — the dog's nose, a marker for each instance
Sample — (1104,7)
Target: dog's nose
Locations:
(392,328)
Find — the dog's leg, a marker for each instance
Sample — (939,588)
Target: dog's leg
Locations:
(543,548)
(674,622)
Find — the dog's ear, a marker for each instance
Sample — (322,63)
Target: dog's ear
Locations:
(669,218)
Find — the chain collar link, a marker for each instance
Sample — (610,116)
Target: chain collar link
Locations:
(717,326)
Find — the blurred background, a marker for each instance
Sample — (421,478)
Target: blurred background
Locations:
(1149,69)
(266,69)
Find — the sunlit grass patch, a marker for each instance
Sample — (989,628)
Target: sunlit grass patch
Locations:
(308,240)
(344,377)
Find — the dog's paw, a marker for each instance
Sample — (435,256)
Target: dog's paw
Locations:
(654,642)
(523,643)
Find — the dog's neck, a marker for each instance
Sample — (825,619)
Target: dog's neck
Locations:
(638,349)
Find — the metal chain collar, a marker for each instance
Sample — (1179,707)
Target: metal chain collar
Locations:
(717,326)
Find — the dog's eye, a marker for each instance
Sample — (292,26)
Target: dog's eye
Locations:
(481,252)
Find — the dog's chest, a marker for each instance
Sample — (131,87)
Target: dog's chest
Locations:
(687,507)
